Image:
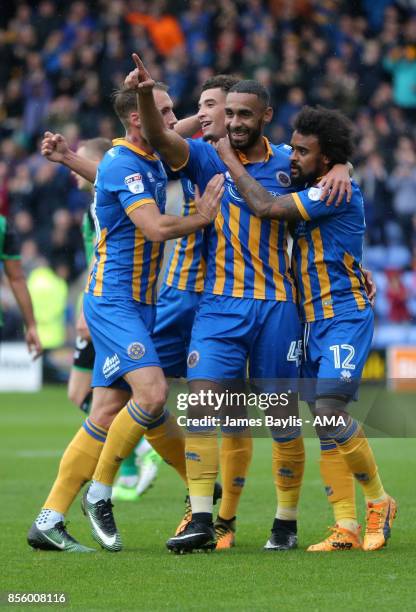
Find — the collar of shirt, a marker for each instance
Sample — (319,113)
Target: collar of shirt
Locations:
(269,153)
(125,143)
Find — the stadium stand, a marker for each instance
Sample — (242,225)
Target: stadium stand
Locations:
(61,60)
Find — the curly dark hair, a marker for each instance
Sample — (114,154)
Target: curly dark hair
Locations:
(220,81)
(334,131)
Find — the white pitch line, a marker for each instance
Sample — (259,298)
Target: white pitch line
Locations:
(29,454)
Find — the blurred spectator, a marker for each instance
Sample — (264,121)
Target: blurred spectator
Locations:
(196,24)
(397,297)
(402,183)
(372,177)
(401,62)
(164,29)
(44,282)
(4,190)
(288,110)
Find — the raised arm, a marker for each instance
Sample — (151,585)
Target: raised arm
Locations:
(158,227)
(188,127)
(55,148)
(168,143)
(259,200)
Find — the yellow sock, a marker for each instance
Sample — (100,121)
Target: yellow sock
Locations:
(235,457)
(169,441)
(360,459)
(201,453)
(77,466)
(339,485)
(373,489)
(288,462)
(125,432)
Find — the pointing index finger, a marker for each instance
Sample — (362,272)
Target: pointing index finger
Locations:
(137,61)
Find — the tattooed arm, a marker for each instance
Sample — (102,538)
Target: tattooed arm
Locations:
(258,199)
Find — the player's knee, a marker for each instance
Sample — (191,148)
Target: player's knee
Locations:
(327,412)
(152,398)
(104,420)
(104,414)
(75,395)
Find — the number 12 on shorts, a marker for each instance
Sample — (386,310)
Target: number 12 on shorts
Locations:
(345,352)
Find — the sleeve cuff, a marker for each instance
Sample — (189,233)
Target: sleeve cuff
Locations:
(300,207)
(185,163)
(139,203)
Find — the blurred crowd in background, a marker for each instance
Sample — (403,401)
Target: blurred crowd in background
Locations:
(60,61)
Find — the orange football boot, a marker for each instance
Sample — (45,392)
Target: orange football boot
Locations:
(379,520)
(225,532)
(339,539)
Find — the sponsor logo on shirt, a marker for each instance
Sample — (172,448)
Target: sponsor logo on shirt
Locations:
(111,365)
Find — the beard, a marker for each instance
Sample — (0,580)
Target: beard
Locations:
(252,137)
(300,178)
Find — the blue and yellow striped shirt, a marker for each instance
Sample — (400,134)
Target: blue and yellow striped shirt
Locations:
(246,256)
(327,254)
(187,265)
(126,264)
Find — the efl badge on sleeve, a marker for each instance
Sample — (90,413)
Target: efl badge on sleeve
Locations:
(134,183)
(314,193)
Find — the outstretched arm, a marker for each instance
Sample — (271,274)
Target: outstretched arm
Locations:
(259,200)
(55,148)
(158,227)
(188,127)
(168,143)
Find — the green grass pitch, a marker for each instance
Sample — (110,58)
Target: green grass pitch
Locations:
(36,428)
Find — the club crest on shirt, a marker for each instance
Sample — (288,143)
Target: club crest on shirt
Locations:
(190,187)
(160,195)
(193,359)
(136,350)
(135,183)
(283,179)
